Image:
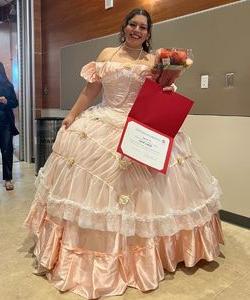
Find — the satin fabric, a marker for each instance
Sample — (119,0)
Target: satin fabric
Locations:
(103,222)
(94,263)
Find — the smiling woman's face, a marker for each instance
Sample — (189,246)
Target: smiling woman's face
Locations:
(136,32)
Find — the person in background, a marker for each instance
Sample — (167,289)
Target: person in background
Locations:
(8,101)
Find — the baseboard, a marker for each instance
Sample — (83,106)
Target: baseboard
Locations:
(233,218)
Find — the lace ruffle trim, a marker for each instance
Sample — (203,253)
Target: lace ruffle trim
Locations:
(117,220)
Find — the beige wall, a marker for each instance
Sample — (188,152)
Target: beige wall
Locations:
(224,146)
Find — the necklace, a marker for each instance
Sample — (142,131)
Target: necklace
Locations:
(131,48)
(130,64)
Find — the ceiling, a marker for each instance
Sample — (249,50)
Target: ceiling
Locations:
(4,2)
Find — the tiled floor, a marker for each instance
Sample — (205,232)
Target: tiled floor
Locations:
(227,278)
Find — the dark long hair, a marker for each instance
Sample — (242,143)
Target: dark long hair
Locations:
(3,77)
(137,11)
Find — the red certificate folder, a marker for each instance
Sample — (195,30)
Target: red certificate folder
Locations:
(155,118)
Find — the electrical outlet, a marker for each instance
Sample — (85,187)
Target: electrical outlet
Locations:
(204,81)
(229,80)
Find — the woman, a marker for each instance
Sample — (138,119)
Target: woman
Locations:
(8,101)
(104,222)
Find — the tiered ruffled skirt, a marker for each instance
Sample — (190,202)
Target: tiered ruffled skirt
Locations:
(103,222)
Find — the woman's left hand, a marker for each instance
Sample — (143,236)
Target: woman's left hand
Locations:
(154,74)
(3,100)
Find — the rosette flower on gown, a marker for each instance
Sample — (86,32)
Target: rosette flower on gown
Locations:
(103,222)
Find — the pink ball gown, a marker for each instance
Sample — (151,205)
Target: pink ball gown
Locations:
(102,222)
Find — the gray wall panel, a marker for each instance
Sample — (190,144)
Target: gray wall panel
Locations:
(73,57)
(220,42)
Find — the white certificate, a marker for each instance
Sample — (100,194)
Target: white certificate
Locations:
(145,145)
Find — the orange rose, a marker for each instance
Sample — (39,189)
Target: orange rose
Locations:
(166,53)
(179,57)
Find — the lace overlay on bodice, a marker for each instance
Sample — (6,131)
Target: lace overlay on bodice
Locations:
(121,82)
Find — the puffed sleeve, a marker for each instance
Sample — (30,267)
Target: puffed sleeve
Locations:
(89,72)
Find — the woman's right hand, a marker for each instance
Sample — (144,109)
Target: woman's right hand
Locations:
(3,100)
(69,119)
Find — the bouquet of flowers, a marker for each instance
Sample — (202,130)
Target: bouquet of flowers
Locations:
(170,64)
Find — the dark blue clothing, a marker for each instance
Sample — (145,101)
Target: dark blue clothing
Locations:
(6,113)
(6,146)
(7,127)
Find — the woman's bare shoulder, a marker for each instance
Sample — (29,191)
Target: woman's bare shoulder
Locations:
(106,53)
